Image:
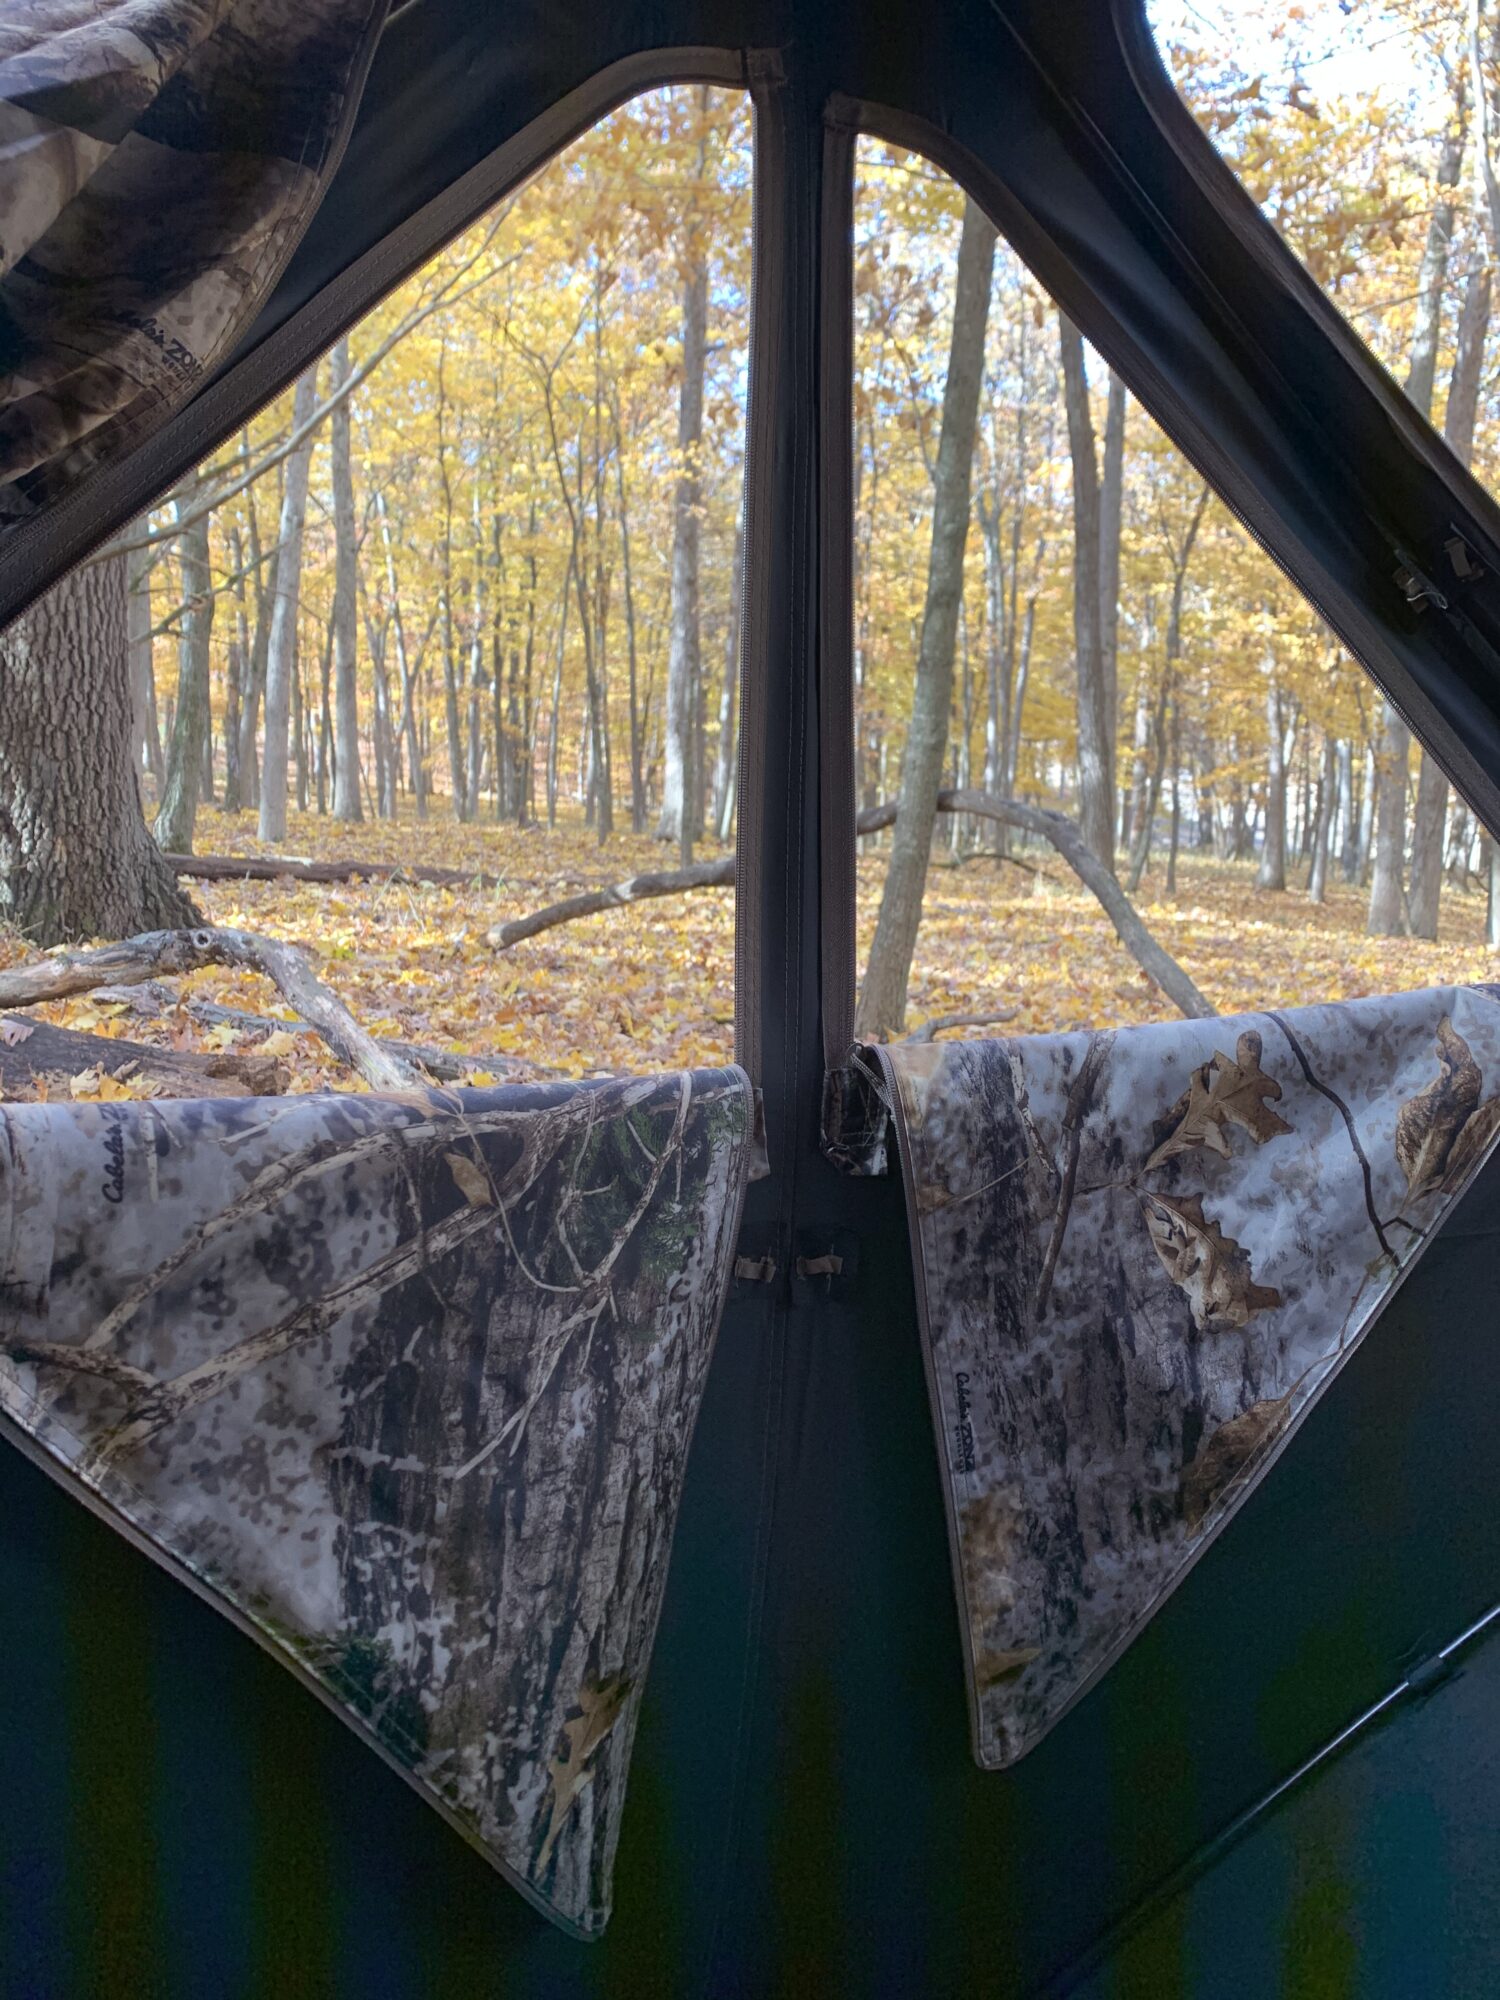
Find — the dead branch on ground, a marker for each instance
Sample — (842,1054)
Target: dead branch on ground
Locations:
(138,959)
(1056,828)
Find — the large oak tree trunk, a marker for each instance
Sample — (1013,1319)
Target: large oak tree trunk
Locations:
(76,859)
(882,1007)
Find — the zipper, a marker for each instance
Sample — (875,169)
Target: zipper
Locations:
(837,875)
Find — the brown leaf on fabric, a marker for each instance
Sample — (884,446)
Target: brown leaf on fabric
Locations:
(1429,1123)
(987,1530)
(1224,1092)
(473,1182)
(1226,1452)
(1210,1268)
(600,1706)
(1475,1137)
(992,1667)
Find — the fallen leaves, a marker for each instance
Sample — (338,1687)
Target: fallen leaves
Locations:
(653,986)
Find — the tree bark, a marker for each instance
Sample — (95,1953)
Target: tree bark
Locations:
(76,857)
(1041,821)
(1317,874)
(685,649)
(346,799)
(1095,727)
(1272,871)
(882,1007)
(281,648)
(190,725)
(1432,786)
(139,959)
(1387,914)
(1111,509)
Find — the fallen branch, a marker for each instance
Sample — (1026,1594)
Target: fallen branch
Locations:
(151,1000)
(1056,828)
(1006,860)
(290,867)
(634,889)
(930,1030)
(32,1049)
(149,956)
(1154,959)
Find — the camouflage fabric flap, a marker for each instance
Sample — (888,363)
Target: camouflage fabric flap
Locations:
(159,160)
(405,1385)
(1140,1258)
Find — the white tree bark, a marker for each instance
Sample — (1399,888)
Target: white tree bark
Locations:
(281,652)
(882,1006)
(346,799)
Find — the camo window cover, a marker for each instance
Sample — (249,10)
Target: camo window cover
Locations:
(405,1385)
(1140,1257)
(159,160)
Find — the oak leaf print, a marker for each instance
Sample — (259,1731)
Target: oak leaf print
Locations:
(600,1706)
(1435,1146)
(1224,1092)
(1225,1453)
(1211,1269)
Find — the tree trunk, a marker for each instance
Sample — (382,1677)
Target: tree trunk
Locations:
(882,1008)
(281,648)
(1387,917)
(1272,871)
(1432,276)
(1328,787)
(684,655)
(1111,507)
(145,736)
(1096,792)
(346,799)
(724,758)
(76,858)
(1432,786)
(190,726)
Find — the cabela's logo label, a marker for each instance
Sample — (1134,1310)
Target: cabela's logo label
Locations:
(963,1430)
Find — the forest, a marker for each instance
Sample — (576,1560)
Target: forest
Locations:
(407,726)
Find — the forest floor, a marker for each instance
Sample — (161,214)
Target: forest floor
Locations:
(652,985)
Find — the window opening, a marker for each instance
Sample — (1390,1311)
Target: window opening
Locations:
(1369,133)
(460,608)
(1143,777)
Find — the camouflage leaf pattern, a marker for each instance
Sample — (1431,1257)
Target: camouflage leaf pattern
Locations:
(162,158)
(1135,1277)
(406,1386)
